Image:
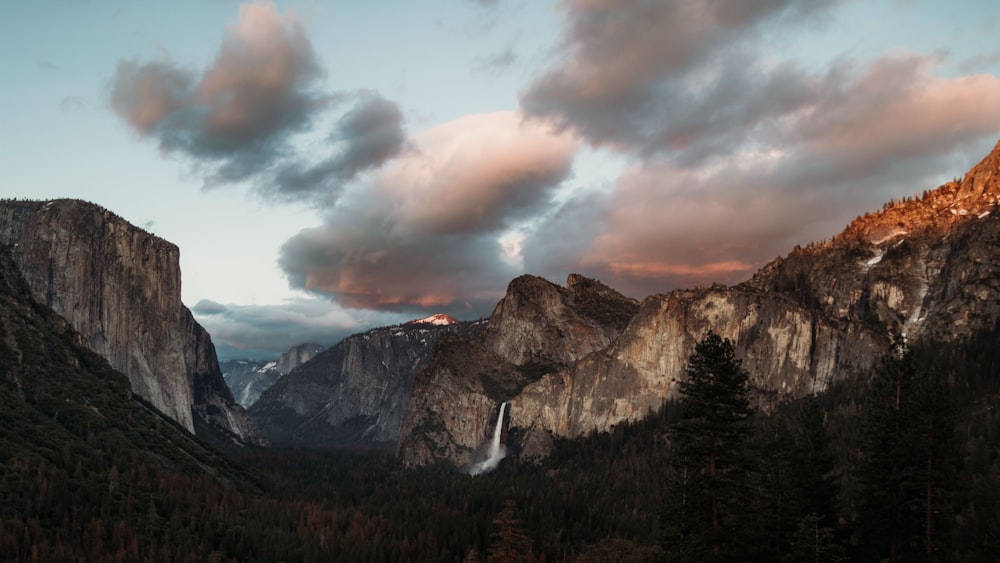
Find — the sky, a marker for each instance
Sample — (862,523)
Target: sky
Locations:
(328,167)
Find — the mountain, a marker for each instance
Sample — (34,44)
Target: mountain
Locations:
(119,287)
(438,319)
(537,328)
(355,392)
(80,452)
(247,379)
(925,267)
(298,355)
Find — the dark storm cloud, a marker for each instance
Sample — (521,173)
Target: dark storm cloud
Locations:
(422,234)
(361,266)
(366,137)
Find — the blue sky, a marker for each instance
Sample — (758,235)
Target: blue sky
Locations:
(329,166)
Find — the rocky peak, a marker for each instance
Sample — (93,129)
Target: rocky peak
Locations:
(543,325)
(934,211)
(437,319)
(298,355)
(537,328)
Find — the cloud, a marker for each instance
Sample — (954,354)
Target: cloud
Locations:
(267,331)
(367,137)
(422,234)
(737,154)
(650,75)
(208,307)
(238,113)
(497,62)
(885,130)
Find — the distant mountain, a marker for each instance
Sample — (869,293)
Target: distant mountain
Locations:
(357,391)
(119,287)
(249,378)
(298,355)
(926,267)
(438,319)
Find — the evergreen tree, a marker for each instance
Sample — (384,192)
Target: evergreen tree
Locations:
(815,485)
(510,543)
(710,466)
(908,434)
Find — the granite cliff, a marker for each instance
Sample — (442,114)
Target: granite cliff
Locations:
(537,328)
(357,391)
(925,267)
(119,287)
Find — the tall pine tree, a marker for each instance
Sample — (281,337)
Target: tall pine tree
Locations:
(909,426)
(709,481)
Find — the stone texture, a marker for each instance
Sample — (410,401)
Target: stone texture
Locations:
(537,328)
(455,403)
(120,288)
(543,327)
(298,355)
(355,392)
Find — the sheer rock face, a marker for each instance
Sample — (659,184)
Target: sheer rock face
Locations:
(120,288)
(543,326)
(356,391)
(537,328)
(925,267)
(787,350)
(298,355)
(455,403)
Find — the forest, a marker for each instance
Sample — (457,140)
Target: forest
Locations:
(897,464)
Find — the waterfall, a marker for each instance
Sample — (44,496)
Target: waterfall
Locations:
(496,451)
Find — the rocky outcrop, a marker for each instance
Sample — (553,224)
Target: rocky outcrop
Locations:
(119,287)
(296,356)
(355,392)
(788,350)
(925,267)
(543,327)
(537,328)
(455,403)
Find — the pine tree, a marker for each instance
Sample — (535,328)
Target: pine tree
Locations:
(909,428)
(510,543)
(710,465)
(815,485)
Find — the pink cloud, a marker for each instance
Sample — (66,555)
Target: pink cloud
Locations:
(257,83)
(238,113)
(896,107)
(474,174)
(424,233)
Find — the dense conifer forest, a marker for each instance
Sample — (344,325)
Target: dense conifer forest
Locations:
(900,464)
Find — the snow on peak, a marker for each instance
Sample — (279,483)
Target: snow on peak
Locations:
(438,319)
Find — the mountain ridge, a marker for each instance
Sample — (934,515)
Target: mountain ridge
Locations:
(923,266)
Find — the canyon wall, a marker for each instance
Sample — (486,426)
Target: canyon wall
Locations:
(120,288)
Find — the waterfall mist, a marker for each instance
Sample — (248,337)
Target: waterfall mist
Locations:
(496,452)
